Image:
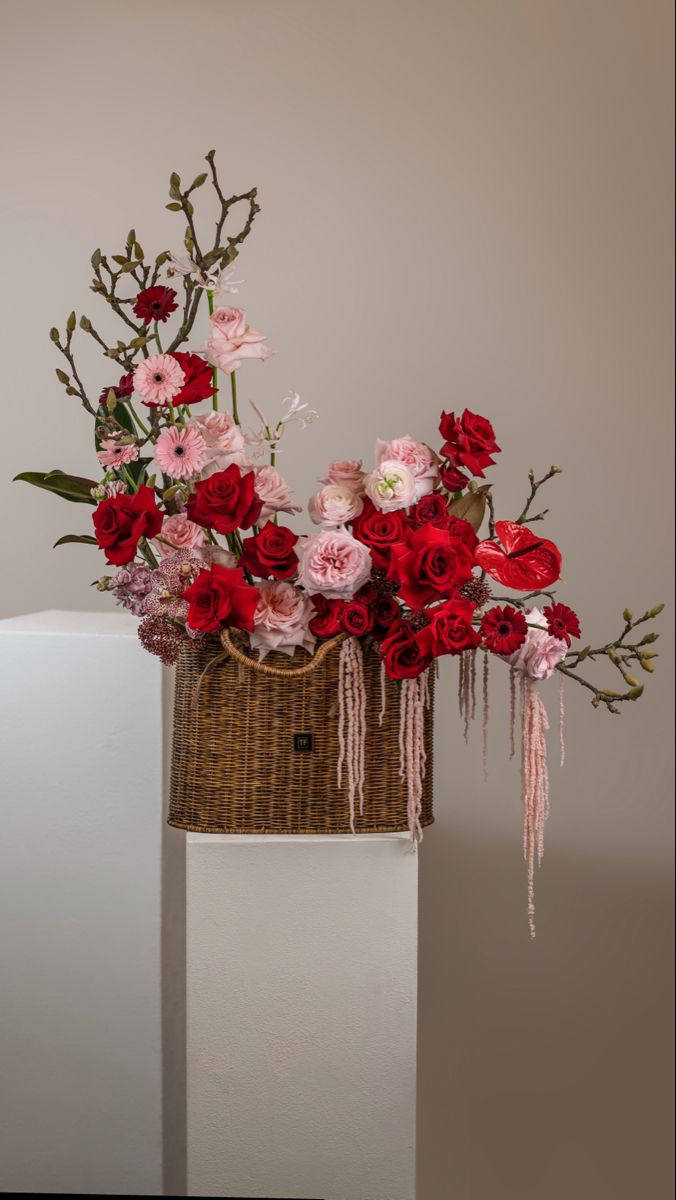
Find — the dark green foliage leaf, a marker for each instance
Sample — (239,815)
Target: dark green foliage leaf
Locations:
(82,538)
(69,487)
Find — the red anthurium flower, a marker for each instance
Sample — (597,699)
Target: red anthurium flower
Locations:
(504,629)
(271,552)
(199,378)
(523,561)
(562,622)
(155,304)
(220,596)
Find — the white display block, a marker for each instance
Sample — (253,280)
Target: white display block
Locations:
(80,916)
(301,1025)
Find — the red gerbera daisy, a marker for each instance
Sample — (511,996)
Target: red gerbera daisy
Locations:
(504,629)
(562,622)
(155,304)
(124,388)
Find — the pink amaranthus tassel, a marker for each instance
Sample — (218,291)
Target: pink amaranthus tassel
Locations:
(414,699)
(534,783)
(352,723)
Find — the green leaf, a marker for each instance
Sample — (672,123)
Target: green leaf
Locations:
(69,487)
(82,538)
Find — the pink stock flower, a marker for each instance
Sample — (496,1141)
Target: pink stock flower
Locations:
(346,472)
(223,439)
(392,485)
(281,620)
(334,505)
(180,452)
(178,531)
(333,563)
(541,653)
(418,457)
(158,379)
(274,492)
(114,453)
(233,340)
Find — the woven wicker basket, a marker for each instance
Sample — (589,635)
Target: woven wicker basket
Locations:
(255,746)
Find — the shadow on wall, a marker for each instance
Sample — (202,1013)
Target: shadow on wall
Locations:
(524,1040)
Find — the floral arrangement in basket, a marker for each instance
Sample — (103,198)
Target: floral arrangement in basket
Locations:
(406,555)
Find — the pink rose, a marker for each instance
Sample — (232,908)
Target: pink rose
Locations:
(346,472)
(418,457)
(178,531)
(334,505)
(232,340)
(541,653)
(281,620)
(333,563)
(274,492)
(391,485)
(224,441)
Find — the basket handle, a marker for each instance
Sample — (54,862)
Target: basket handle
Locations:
(279,672)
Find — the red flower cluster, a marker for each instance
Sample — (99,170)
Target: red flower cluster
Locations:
(220,596)
(155,304)
(121,521)
(225,501)
(271,552)
(469,441)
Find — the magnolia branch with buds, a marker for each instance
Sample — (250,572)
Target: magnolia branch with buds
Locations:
(622,654)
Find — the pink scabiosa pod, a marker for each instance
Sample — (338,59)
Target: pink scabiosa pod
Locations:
(420,460)
(334,505)
(392,485)
(115,453)
(333,563)
(233,340)
(275,493)
(540,654)
(223,439)
(178,531)
(180,452)
(282,619)
(158,379)
(346,472)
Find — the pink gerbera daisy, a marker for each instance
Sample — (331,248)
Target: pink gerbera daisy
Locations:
(158,379)
(114,453)
(180,452)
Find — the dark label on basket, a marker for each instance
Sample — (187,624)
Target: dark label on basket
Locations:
(302,743)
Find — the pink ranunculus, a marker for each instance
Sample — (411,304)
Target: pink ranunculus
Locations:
(180,452)
(274,492)
(114,453)
(418,457)
(178,531)
(334,505)
(541,653)
(333,563)
(282,618)
(233,340)
(391,485)
(346,472)
(224,441)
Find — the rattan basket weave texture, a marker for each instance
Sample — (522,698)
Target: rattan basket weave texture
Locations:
(255,751)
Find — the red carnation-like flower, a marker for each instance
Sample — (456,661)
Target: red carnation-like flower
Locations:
(504,629)
(523,561)
(470,441)
(124,388)
(431,564)
(121,521)
(225,501)
(450,630)
(431,510)
(402,653)
(328,618)
(357,618)
(199,378)
(221,596)
(379,531)
(452,479)
(155,304)
(271,552)
(562,622)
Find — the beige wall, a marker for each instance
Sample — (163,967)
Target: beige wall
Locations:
(464,203)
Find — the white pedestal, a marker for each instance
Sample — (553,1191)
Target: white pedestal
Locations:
(80,876)
(301,1029)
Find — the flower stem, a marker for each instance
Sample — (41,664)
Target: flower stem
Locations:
(214,370)
(157,338)
(233,389)
(138,420)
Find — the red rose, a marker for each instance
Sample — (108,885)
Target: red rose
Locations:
(220,596)
(199,378)
(328,618)
(379,531)
(271,552)
(155,304)
(385,612)
(357,618)
(432,563)
(523,561)
(504,629)
(225,501)
(450,630)
(461,531)
(368,594)
(453,479)
(402,654)
(470,441)
(431,510)
(121,521)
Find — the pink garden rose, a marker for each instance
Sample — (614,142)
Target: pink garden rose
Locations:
(274,492)
(541,653)
(223,439)
(418,457)
(281,620)
(333,563)
(233,340)
(178,531)
(391,485)
(346,472)
(334,505)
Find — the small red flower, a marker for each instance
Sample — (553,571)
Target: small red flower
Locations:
(328,618)
(523,561)
(504,629)
(385,612)
(453,479)
(431,510)
(155,304)
(357,618)
(124,388)
(271,552)
(562,622)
